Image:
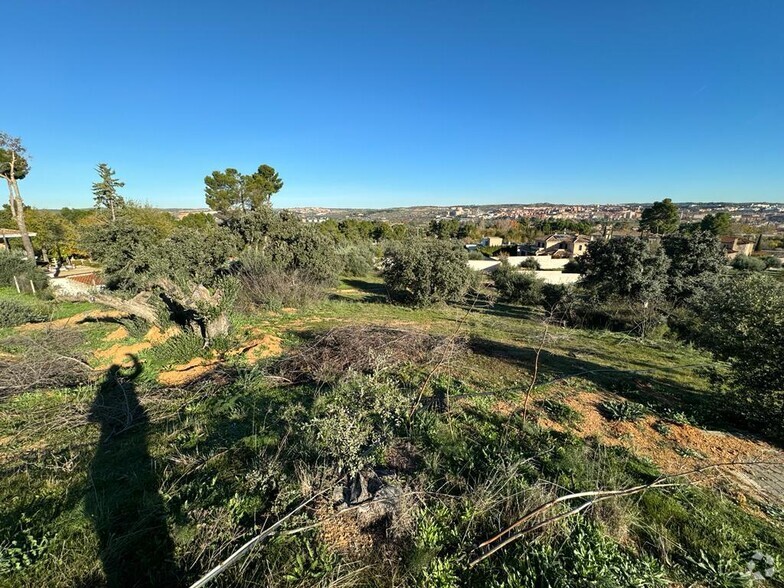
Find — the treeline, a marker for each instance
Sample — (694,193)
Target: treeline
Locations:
(511,230)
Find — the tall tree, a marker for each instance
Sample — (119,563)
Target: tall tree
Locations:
(661,218)
(628,268)
(14,167)
(105,190)
(696,261)
(261,186)
(718,224)
(231,190)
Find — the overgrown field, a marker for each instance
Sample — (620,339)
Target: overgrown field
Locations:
(414,435)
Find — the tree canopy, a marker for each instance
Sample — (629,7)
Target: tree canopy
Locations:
(661,218)
(718,224)
(626,267)
(230,190)
(105,190)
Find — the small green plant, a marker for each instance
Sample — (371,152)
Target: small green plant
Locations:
(179,349)
(677,417)
(22,551)
(623,411)
(15,312)
(311,565)
(662,428)
(561,412)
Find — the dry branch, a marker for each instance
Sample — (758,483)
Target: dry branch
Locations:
(503,538)
(362,348)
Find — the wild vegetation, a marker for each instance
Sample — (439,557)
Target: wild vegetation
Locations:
(367,412)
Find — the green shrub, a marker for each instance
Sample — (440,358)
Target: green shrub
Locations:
(25,270)
(746,263)
(291,271)
(561,412)
(742,323)
(356,259)
(519,287)
(530,263)
(359,413)
(553,295)
(623,411)
(16,312)
(179,349)
(425,272)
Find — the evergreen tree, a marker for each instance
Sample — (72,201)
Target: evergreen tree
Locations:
(105,191)
(230,190)
(661,218)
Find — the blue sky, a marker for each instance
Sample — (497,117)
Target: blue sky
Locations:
(376,104)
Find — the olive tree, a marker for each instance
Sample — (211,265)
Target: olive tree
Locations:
(696,260)
(742,322)
(182,273)
(425,272)
(627,268)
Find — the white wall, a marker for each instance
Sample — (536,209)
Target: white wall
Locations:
(551,277)
(544,261)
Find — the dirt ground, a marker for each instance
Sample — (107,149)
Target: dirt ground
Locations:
(683,447)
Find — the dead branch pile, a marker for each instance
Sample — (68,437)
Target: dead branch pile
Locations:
(364,348)
(42,359)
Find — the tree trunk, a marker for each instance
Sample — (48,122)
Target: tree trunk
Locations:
(17,208)
(183,306)
(138,306)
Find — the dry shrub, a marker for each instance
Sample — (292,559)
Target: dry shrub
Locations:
(42,359)
(364,349)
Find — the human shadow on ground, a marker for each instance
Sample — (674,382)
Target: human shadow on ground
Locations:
(122,496)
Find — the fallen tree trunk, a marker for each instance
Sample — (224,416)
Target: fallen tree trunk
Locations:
(196,310)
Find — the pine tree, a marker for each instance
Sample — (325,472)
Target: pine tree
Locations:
(105,191)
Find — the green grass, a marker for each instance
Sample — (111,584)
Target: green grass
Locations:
(127,478)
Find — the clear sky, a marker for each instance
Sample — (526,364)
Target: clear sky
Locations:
(376,104)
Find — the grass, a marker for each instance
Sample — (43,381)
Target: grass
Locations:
(123,479)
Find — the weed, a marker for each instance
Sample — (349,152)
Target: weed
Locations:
(623,411)
(561,412)
(662,428)
(677,417)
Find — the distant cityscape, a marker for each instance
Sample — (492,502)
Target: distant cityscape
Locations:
(757,214)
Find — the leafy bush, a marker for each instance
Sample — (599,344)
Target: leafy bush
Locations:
(572,267)
(179,349)
(425,272)
(520,287)
(626,268)
(623,411)
(266,283)
(25,270)
(561,412)
(530,263)
(553,295)
(615,314)
(742,323)
(356,259)
(746,263)
(360,413)
(16,312)
(695,262)
(476,255)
